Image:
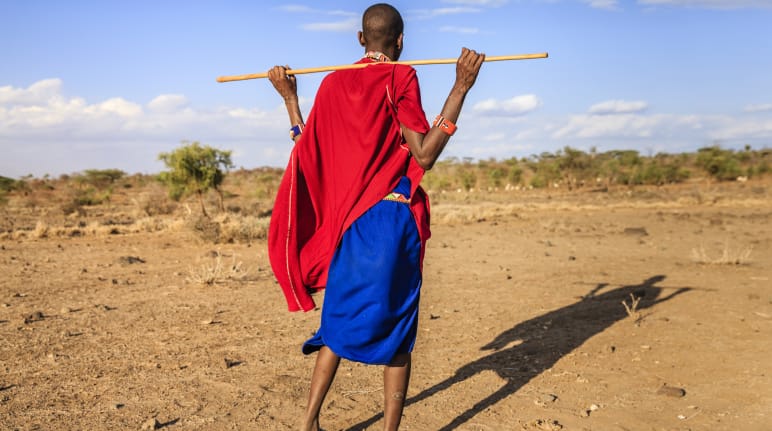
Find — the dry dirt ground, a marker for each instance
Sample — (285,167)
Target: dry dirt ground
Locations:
(522,326)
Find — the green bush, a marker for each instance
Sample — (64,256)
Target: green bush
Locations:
(7,184)
(195,169)
(721,164)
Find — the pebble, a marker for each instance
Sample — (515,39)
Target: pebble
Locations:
(586,413)
(229,363)
(633,231)
(34,317)
(670,391)
(151,424)
(130,260)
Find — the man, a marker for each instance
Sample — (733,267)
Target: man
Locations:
(350,216)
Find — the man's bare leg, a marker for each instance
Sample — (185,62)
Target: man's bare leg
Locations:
(324,372)
(396,377)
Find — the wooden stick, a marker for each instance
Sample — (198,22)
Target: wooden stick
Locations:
(362,65)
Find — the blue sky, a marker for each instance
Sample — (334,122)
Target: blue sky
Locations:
(108,84)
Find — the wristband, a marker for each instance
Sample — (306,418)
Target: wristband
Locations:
(295,131)
(445,125)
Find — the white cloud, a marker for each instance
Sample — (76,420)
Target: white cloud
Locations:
(462,30)
(46,132)
(618,107)
(420,14)
(168,103)
(603,4)
(39,92)
(296,8)
(491,3)
(763,107)
(116,106)
(350,23)
(43,131)
(517,105)
(347,25)
(482,135)
(711,4)
(731,129)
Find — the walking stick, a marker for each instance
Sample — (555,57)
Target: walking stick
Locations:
(363,65)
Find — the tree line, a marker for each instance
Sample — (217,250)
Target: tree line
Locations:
(194,169)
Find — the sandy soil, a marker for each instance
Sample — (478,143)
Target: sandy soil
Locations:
(522,324)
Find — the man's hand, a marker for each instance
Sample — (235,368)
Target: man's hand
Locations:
(287,87)
(467,68)
(285,84)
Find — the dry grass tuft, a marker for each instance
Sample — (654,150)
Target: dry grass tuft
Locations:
(41,230)
(729,256)
(243,229)
(216,272)
(632,309)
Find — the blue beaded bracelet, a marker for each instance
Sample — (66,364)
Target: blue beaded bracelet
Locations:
(295,131)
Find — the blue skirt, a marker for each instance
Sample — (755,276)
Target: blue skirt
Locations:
(370,309)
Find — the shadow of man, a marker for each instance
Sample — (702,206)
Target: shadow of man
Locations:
(542,341)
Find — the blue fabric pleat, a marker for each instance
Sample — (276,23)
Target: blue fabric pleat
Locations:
(370,309)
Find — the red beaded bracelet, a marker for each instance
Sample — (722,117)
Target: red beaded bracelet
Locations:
(445,125)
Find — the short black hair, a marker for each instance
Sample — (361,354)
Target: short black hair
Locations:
(382,24)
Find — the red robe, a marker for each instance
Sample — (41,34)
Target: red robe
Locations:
(351,154)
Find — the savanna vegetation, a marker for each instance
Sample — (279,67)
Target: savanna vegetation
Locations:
(573,169)
(234,205)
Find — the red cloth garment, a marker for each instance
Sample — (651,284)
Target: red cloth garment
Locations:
(351,154)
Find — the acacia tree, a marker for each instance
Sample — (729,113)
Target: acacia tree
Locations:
(194,168)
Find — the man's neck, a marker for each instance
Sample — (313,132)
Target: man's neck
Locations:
(390,52)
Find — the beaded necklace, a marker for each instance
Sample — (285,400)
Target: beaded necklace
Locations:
(377,56)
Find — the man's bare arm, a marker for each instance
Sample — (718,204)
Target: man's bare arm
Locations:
(287,87)
(426,148)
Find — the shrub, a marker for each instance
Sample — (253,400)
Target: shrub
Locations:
(721,164)
(195,169)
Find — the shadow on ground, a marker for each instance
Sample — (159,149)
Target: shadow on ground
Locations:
(542,341)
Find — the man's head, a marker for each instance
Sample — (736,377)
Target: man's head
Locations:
(382,30)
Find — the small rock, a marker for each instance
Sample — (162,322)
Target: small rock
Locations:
(34,317)
(546,425)
(130,260)
(670,391)
(433,316)
(65,310)
(230,363)
(151,424)
(636,231)
(586,413)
